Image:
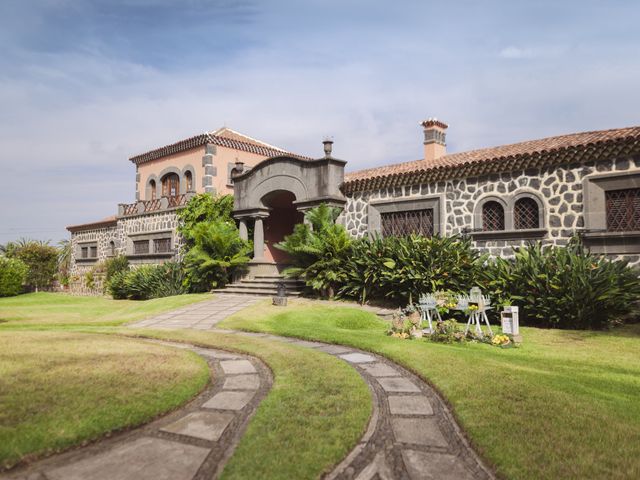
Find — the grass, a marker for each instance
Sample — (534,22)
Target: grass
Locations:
(311,418)
(564,405)
(59,389)
(38,310)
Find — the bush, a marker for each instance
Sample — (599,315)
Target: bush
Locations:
(217,253)
(13,274)
(320,251)
(203,208)
(399,269)
(41,260)
(147,281)
(564,287)
(114,265)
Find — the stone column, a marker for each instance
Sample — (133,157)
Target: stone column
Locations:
(244,233)
(258,240)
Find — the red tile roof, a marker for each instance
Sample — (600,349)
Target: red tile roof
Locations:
(105,222)
(584,146)
(223,137)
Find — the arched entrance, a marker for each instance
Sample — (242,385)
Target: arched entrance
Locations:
(283,216)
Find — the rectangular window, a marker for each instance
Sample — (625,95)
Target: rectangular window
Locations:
(399,224)
(623,209)
(140,247)
(84,252)
(162,245)
(93,252)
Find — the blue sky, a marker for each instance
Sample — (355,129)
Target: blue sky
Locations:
(84,85)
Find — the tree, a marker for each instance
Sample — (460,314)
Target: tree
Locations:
(64,261)
(203,208)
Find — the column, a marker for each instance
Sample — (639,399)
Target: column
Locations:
(244,233)
(258,240)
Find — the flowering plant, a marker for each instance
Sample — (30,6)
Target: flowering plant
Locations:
(500,340)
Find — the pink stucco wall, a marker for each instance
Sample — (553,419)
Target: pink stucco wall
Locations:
(193,157)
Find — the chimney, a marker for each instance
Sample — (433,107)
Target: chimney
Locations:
(435,145)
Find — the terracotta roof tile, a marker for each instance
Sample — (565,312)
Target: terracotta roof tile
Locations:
(105,222)
(224,137)
(534,153)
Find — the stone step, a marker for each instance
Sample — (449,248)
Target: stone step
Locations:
(266,292)
(271,283)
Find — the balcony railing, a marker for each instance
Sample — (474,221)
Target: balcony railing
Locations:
(156,205)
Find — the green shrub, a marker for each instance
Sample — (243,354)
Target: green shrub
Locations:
(203,208)
(318,250)
(41,260)
(13,274)
(114,265)
(564,287)
(217,253)
(147,281)
(399,269)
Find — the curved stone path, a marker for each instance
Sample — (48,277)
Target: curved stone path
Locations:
(192,443)
(412,433)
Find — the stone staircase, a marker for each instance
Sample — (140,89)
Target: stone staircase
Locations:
(262,285)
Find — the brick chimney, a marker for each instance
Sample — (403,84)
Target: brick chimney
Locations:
(435,145)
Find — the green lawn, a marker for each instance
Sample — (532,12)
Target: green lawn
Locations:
(37,310)
(58,389)
(564,405)
(316,412)
(71,375)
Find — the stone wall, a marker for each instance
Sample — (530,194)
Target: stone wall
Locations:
(164,223)
(559,191)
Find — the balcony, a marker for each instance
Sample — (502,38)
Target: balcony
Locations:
(157,205)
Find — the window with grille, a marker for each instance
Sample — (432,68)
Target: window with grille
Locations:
(84,252)
(140,247)
(162,245)
(492,216)
(93,252)
(526,214)
(399,224)
(623,209)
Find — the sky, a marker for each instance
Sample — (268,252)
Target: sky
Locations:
(86,84)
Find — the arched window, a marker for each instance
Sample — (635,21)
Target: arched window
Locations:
(152,187)
(171,185)
(112,248)
(492,216)
(526,214)
(188,178)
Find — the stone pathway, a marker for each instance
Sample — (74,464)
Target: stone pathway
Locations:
(192,443)
(200,316)
(411,434)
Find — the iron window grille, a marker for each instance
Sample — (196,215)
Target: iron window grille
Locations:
(162,245)
(93,252)
(623,210)
(492,217)
(526,214)
(84,252)
(141,247)
(399,224)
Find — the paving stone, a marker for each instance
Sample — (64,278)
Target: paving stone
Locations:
(397,384)
(205,425)
(142,459)
(357,358)
(216,354)
(334,349)
(434,466)
(380,370)
(410,405)
(420,431)
(242,382)
(229,400)
(304,343)
(231,367)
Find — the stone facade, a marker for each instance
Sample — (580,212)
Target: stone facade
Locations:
(558,190)
(118,240)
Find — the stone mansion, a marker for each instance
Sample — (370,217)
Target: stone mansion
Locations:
(548,189)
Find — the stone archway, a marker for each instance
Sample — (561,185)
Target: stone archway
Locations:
(273,196)
(283,216)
